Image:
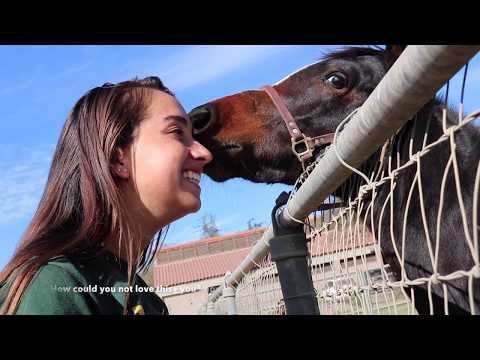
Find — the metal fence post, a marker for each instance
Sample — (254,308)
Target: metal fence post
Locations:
(229,296)
(288,248)
(211,308)
(202,310)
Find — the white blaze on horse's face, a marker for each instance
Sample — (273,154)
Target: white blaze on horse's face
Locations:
(295,72)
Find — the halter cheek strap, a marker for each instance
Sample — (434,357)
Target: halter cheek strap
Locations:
(302,145)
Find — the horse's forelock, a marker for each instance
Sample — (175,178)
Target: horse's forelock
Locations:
(352,52)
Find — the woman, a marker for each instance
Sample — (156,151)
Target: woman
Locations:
(125,167)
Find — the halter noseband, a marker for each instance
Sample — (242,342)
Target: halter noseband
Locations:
(302,146)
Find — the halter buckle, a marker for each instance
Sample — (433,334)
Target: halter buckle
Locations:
(303,148)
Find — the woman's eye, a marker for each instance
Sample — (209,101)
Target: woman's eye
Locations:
(178,131)
(337,80)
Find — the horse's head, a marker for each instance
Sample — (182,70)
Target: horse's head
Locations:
(247,135)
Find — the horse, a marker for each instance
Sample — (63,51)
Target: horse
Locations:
(249,139)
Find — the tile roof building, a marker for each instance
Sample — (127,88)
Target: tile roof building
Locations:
(187,273)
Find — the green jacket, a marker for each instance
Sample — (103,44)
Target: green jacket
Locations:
(86,285)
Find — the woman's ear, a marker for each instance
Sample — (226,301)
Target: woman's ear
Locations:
(119,164)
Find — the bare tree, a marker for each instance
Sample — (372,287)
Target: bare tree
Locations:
(208,226)
(252,225)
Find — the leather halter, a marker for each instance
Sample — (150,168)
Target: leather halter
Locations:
(302,145)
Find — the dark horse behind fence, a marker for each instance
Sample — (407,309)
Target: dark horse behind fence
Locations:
(249,139)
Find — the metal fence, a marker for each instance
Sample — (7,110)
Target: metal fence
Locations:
(348,270)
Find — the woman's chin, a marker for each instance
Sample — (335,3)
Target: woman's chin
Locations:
(191,196)
(187,204)
(190,204)
(195,206)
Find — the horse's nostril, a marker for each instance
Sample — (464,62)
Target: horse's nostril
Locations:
(202,118)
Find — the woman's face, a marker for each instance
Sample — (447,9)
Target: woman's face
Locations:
(164,164)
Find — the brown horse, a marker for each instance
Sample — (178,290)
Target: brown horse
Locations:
(249,139)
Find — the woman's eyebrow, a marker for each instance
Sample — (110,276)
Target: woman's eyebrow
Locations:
(179,119)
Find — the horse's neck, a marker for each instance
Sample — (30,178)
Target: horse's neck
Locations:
(425,128)
(425,175)
(419,192)
(420,131)
(406,220)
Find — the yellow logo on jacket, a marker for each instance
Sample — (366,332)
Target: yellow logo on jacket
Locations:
(138,310)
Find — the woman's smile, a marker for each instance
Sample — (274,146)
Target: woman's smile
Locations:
(192,178)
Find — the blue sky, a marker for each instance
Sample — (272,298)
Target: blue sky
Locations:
(40,84)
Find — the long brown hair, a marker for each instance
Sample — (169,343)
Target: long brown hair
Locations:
(82,205)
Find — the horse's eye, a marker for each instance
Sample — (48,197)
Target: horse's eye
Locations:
(337,80)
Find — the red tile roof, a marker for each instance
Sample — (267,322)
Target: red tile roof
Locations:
(215,265)
(198,268)
(191,244)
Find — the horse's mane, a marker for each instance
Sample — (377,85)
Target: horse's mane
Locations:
(351,52)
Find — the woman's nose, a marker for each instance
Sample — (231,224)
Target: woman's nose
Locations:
(200,152)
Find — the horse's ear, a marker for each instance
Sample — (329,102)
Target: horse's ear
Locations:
(393,52)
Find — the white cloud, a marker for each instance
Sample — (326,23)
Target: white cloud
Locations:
(198,64)
(72,70)
(18,87)
(22,182)
(192,232)
(225,223)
